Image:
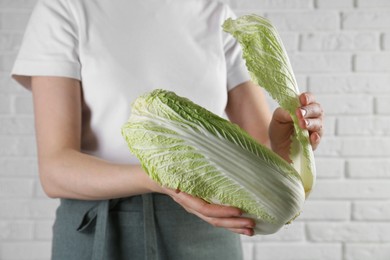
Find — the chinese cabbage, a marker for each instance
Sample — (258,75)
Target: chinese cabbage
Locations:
(182,145)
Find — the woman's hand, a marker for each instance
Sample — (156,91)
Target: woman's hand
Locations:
(310,116)
(216,215)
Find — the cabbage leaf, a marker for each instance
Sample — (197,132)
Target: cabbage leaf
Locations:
(270,68)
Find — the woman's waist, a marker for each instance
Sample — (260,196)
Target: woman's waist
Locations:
(161,202)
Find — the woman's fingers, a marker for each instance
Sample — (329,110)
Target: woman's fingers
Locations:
(310,116)
(216,215)
(198,205)
(243,231)
(315,140)
(312,110)
(238,225)
(307,98)
(228,222)
(312,124)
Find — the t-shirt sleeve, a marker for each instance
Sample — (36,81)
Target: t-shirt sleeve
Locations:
(237,72)
(50,44)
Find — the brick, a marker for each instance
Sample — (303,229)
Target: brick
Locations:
(366,20)
(340,41)
(17,146)
(290,41)
(305,21)
(15,208)
(10,86)
(371,210)
(248,250)
(16,188)
(373,3)
(368,168)
(10,41)
(301,81)
(39,192)
(363,125)
(330,168)
(271,4)
(373,62)
(301,251)
(24,105)
(28,208)
(16,230)
(43,208)
(325,210)
(329,125)
(386,41)
(15,20)
(18,167)
(43,230)
(5,104)
(360,251)
(292,232)
(382,105)
(240,12)
(348,232)
(345,84)
(366,147)
(17,125)
(351,189)
(321,62)
(329,147)
(375,147)
(7,61)
(334,4)
(351,104)
(25,250)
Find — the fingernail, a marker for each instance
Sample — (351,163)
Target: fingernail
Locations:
(303,112)
(250,232)
(251,225)
(316,138)
(307,122)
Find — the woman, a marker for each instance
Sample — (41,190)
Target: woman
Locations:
(85,62)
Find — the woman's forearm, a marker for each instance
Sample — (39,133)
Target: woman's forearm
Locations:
(65,171)
(72,174)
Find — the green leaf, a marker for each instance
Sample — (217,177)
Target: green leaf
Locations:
(269,66)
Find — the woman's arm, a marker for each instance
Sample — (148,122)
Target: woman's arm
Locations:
(65,172)
(248,108)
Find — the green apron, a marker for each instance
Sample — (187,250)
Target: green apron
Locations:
(147,227)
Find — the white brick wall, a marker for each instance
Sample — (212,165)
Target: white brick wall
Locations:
(340,50)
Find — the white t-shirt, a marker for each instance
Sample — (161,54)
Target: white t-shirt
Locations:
(121,49)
